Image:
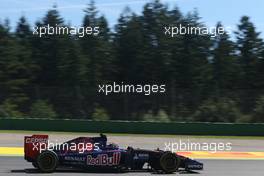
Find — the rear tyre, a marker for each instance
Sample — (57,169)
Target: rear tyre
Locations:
(169,162)
(47,161)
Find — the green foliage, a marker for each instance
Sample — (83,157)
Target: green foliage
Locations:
(9,110)
(198,70)
(250,48)
(244,118)
(100,114)
(161,116)
(42,109)
(149,117)
(225,68)
(220,110)
(258,115)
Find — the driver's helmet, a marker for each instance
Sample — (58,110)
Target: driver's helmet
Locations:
(112,146)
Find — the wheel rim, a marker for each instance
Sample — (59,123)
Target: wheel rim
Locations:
(47,161)
(169,162)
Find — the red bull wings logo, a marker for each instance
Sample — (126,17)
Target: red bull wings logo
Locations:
(104,159)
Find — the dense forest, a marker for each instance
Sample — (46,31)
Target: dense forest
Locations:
(214,79)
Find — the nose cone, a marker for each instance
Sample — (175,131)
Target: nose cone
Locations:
(193,165)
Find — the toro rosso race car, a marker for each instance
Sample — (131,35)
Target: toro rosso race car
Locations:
(94,154)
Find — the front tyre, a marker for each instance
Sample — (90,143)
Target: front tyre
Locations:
(47,161)
(169,162)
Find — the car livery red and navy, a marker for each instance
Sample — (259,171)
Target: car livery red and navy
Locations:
(94,154)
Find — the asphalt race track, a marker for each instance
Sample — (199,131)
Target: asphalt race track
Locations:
(15,166)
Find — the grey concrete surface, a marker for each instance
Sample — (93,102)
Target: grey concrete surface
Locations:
(16,166)
(142,141)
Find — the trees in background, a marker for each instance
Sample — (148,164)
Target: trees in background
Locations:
(207,78)
(250,50)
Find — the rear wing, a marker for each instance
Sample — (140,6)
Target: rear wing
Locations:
(33,145)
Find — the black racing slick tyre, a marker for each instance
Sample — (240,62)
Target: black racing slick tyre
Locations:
(169,162)
(47,161)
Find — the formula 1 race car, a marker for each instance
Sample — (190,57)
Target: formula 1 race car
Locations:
(94,154)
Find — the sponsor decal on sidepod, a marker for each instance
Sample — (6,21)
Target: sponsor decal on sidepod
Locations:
(104,159)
